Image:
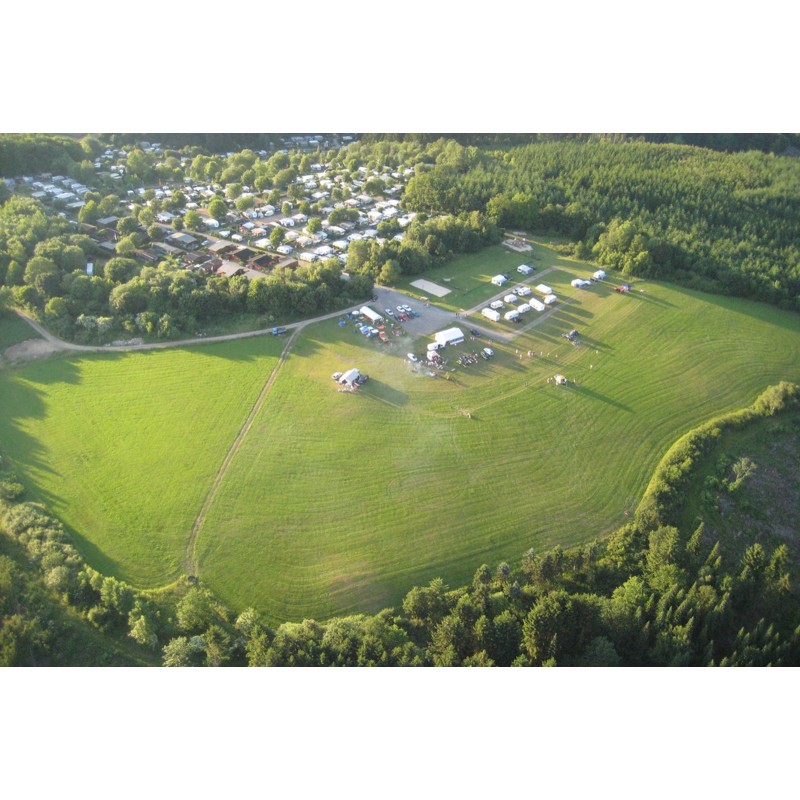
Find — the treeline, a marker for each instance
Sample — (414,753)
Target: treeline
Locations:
(31,153)
(729,142)
(426,242)
(719,222)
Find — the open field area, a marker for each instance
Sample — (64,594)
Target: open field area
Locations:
(339,502)
(747,490)
(124,447)
(14,330)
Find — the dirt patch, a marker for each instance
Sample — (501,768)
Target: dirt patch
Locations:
(29,350)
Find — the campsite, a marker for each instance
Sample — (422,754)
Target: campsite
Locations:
(337,503)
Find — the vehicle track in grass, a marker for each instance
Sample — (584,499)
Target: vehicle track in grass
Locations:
(189,563)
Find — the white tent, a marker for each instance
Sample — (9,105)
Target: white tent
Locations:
(349,377)
(371,315)
(450,336)
(499,280)
(599,275)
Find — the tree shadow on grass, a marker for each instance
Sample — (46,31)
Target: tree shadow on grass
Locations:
(583,390)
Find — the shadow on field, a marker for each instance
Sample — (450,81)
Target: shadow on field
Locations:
(56,370)
(382,392)
(603,398)
(571,308)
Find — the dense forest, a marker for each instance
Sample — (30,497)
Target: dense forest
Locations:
(720,222)
(652,594)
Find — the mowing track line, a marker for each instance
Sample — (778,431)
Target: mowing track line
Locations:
(189,564)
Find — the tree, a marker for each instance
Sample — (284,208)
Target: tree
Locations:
(89,213)
(127,225)
(314,225)
(120,270)
(178,653)
(192,220)
(286,208)
(233,190)
(194,609)
(277,235)
(390,273)
(143,631)
(127,245)
(218,209)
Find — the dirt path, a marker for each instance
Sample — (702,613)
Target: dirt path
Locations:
(60,344)
(189,564)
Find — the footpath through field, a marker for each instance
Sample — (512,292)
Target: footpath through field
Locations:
(189,564)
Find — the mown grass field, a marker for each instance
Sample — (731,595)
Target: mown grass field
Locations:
(468,277)
(337,503)
(123,447)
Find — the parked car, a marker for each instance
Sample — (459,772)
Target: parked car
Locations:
(474,332)
(390,312)
(412,357)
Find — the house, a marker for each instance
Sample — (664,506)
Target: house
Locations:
(182,240)
(544,289)
(524,269)
(499,280)
(491,314)
(450,336)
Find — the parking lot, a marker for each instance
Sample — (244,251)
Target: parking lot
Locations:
(430,319)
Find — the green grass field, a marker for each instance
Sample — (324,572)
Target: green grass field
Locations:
(123,447)
(469,276)
(14,330)
(341,502)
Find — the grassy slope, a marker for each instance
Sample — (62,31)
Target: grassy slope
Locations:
(14,330)
(336,502)
(339,503)
(123,447)
(765,508)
